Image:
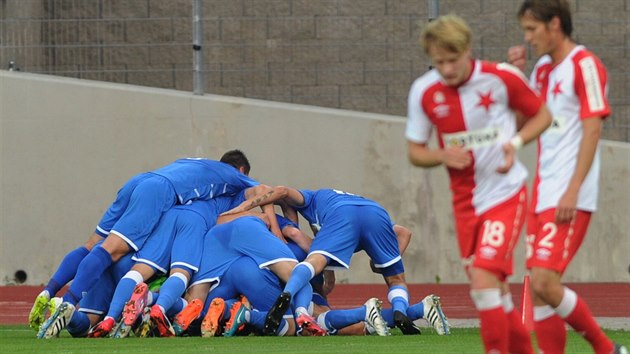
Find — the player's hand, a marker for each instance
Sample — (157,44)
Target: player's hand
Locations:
(509,151)
(456,157)
(567,207)
(516,56)
(329,282)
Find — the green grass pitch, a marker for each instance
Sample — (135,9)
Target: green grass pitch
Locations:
(21,339)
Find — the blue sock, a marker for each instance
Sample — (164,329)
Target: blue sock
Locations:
(122,294)
(171,291)
(415,311)
(300,276)
(176,307)
(79,324)
(152,298)
(399,298)
(388,316)
(257,319)
(121,267)
(89,272)
(338,319)
(303,297)
(66,270)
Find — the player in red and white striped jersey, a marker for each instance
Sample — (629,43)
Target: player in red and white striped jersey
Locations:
(472,104)
(573,83)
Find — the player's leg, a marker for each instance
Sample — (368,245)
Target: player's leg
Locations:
(126,288)
(491,238)
(261,287)
(65,272)
(299,280)
(379,241)
(370,312)
(562,242)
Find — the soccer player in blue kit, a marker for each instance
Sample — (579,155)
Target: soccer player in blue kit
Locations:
(346,223)
(139,205)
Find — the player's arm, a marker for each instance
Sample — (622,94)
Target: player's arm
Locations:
(289,212)
(418,132)
(222,219)
(403,236)
(421,155)
(591,131)
(291,196)
(532,128)
(296,235)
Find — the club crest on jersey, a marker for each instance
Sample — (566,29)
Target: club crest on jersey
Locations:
(438,97)
(472,139)
(485,100)
(440,110)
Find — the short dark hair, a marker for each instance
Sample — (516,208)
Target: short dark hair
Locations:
(237,159)
(546,10)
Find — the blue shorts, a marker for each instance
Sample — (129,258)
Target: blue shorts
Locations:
(245,236)
(97,300)
(353,228)
(188,245)
(151,197)
(260,286)
(115,211)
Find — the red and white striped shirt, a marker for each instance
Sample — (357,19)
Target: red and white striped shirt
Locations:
(478,116)
(574,89)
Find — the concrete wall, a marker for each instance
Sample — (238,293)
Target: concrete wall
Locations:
(351,54)
(67,145)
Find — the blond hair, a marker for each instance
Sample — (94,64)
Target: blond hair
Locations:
(449,32)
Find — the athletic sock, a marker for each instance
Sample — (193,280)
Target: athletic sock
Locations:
(493,321)
(399,298)
(257,319)
(66,270)
(551,333)
(338,319)
(300,276)
(172,290)
(88,273)
(519,339)
(576,313)
(303,297)
(123,293)
(79,324)
(176,307)
(415,311)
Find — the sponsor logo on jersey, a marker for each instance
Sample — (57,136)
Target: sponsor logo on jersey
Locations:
(473,139)
(558,126)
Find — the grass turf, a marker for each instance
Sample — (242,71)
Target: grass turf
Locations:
(21,339)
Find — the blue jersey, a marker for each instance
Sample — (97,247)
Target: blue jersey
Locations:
(322,203)
(196,178)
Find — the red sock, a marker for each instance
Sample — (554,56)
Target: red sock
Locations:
(494,330)
(551,335)
(583,322)
(520,340)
